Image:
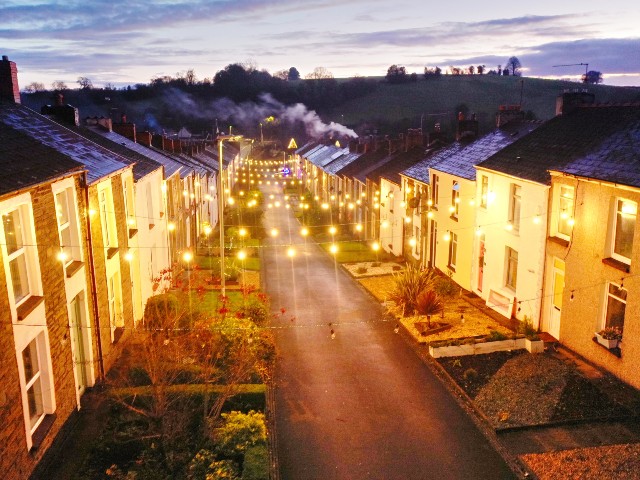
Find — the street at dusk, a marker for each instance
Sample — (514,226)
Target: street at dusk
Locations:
(361,405)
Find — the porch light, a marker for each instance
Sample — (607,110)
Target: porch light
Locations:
(332,230)
(447,237)
(274,232)
(358,227)
(333,248)
(242,255)
(412,242)
(128,256)
(291,252)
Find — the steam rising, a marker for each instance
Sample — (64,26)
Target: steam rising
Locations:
(251,114)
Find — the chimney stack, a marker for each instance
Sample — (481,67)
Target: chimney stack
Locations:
(145,138)
(125,129)
(467,129)
(569,101)
(506,113)
(9,88)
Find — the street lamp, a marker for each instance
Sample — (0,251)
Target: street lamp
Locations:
(220,139)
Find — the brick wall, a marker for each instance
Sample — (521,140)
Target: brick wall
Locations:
(16,461)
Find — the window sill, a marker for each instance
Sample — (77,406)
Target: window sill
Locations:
(133,232)
(617,264)
(41,432)
(559,241)
(452,268)
(454,218)
(111,252)
(28,306)
(151,225)
(613,351)
(73,268)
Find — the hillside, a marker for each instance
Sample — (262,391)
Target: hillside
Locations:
(482,94)
(371,106)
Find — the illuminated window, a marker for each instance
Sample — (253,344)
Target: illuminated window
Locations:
(622,229)
(68,225)
(616,303)
(514,207)
(565,211)
(116,319)
(511,277)
(107,219)
(484,191)
(434,190)
(455,200)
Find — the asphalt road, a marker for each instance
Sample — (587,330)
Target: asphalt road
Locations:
(361,405)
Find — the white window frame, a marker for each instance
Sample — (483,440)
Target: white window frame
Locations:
(128,203)
(455,199)
(453,251)
(435,189)
(515,206)
(564,210)
(618,210)
(107,220)
(151,214)
(65,191)
(614,296)
(28,250)
(484,191)
(36,336)
(511,280)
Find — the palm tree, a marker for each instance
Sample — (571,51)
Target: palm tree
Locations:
(429,303)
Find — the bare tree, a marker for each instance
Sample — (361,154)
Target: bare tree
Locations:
(514,65)
(480,69)
(59,85)
(281,74)
(35,87)
(319,73)
(85,83)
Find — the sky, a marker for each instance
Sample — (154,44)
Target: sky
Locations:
(127,42)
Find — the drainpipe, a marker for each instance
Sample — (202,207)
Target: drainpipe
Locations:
(92,275)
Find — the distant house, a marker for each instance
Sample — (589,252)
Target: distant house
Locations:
(68,297)
(516,219)
(593,246)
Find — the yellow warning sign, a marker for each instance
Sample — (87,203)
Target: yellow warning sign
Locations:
(292,144)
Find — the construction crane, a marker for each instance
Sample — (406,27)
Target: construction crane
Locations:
(586,66)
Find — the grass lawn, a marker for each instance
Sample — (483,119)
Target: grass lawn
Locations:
(213,263)
(210,301)
(354,251)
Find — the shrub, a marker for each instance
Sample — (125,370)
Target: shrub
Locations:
(256,463)
(361,270)
(446,287)
(240,431)
(495,336)
(408,285)
(429,303)
(376,264)
(204,466)
(470,374)
(526,329)
(160,309)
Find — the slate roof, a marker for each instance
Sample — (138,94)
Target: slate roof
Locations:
(341,162)
(615,160)
(306,147)
(364,164)
(25,162)
(99,161)
(420,170)
(461,162)
(151,153)
(561,141)
(142,165)
(398,162)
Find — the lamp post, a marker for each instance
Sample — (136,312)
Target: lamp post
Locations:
(220,139)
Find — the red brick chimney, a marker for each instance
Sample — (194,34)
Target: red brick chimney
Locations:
(9,88)
(158,141)
(569,101)
(125,129)
(145,138)
(467,129)
(506,113)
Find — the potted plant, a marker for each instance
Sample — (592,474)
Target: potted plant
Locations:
(609,337)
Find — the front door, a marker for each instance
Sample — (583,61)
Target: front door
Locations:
(557,284)
(481,251)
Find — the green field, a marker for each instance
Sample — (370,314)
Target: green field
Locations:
(481,94)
